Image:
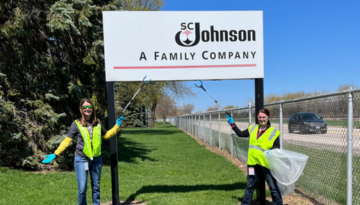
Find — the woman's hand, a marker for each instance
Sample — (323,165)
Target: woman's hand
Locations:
(119,120)
(230,119)
(49,158)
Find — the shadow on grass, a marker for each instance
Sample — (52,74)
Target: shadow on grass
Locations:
(129,151)
(184,189)
(154,132)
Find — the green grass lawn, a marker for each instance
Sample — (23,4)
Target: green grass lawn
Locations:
(162,165)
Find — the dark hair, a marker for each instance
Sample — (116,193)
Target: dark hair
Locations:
(93,118)
(267,113)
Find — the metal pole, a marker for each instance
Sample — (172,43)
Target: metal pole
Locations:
(149,122)
(204,134)
(149,116)
(146,117)
(142,122)
(192,125)
(187,123)
(219,131)
(231,138)
(259,104)
(249,114)
(210,129)
(199,130)
(349,150)
(281,125)
(113,144)
(195,131)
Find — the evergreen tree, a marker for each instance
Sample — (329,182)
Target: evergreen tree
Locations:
(51,56)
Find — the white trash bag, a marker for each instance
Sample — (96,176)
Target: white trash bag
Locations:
(286,189)
(286,167)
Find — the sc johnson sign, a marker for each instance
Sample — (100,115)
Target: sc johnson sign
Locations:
(211,35)
(183,45)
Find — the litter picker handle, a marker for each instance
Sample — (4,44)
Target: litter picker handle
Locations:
(201,86)
(142,85)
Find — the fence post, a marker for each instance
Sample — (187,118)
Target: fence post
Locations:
(146,117)
(249,114)
(204,135)
(191,124)
(281,125)
(210,129)
(199,131)
(142,123)
(187,123)
(197,122)
(194,116)
(149,117)
(231,138)
(219,131)
(349,150)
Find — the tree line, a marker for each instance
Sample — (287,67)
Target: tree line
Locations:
(51,57)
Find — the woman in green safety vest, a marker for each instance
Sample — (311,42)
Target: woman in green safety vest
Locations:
(262,137)
(89,132)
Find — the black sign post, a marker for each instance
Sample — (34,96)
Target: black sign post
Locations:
(113,144)
(259,104)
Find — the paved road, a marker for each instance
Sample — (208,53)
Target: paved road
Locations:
(335,139)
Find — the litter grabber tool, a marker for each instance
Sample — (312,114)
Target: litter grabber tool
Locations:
(201,86)
(142,85)
(228,115)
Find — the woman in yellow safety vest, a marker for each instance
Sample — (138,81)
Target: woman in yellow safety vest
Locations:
(89,132)
(262,137)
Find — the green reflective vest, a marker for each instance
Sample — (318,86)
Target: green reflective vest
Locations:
(95,149)
(257,147)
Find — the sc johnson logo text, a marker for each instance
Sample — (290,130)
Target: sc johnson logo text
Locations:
(190,35)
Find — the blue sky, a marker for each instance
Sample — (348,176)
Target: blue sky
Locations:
(308,46)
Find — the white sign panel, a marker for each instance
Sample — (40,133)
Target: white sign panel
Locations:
(206,45)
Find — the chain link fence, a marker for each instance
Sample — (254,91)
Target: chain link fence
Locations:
(326,128)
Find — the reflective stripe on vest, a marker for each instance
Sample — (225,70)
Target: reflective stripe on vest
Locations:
(99,139)
(273,133)
(252,129)
(95,149)
(257,146)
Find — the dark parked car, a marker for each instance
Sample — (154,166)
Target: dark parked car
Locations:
(306,122)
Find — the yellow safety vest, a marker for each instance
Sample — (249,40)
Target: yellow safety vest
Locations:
(257,147)
(95,149)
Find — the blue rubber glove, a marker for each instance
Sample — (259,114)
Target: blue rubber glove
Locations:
(230,119)
(49,158)
(119,120)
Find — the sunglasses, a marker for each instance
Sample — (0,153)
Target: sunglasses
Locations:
(87,106)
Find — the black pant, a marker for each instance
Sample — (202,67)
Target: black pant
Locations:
(251,185)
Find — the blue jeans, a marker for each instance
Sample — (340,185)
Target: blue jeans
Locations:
(82,176)
(251,185)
